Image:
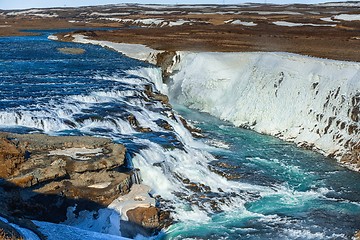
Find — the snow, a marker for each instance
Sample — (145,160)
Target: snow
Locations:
(100,185)
(328,19)
(43,15)
(53,37)
(272,13)
(76,153)
(178,22)
(60,232)
(340,4)
(149,21)
(137,51)
(248,24)
(348,17)
(294,97)
(32,12)
(291,24)
(108,14)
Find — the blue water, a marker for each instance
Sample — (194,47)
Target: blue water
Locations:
(279,190)
(323,202)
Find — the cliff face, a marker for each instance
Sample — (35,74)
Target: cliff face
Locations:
(312,102)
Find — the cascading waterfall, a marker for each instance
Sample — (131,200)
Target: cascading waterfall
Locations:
(111,102)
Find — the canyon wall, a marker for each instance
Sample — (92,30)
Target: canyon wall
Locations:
(310,101)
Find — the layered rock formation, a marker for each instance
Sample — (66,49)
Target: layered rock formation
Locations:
(42,176)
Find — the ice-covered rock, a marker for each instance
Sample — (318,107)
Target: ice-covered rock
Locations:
(310,101)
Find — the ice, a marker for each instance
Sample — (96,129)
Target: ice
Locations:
(294,97)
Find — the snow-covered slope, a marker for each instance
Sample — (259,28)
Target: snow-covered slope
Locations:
(297,98)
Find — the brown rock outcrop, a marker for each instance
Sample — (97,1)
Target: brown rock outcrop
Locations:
(145,220)
(43,175)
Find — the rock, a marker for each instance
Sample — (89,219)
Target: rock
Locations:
(156,96)
(195,132)
(352,159)
(43,175)
(146,221)
(136,125)
(145,217)
(357,235)
(164,60)
(10,157)
(67,50)
(7,232)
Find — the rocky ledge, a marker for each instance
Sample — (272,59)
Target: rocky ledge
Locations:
(42,176)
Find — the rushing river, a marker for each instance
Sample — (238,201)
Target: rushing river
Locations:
(264,188)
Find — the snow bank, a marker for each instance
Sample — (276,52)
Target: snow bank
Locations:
(291,24)
(137,51)
(297,98)
(248,24)
(348,17)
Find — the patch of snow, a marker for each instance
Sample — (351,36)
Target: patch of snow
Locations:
(291,24)
(179,22)
(159,12)
(329,19)
(339,4)
(348,17)
(43,15)
(149,21)
(53,37)
(314,13)
(31,11)
(109,14)
(76,153)
(248,24)
(58,231)
(100,185)
(4,26)
(273,13)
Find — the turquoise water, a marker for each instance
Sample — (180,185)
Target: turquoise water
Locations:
(316,197)
(275,190)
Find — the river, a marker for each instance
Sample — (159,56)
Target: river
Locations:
(264,188)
